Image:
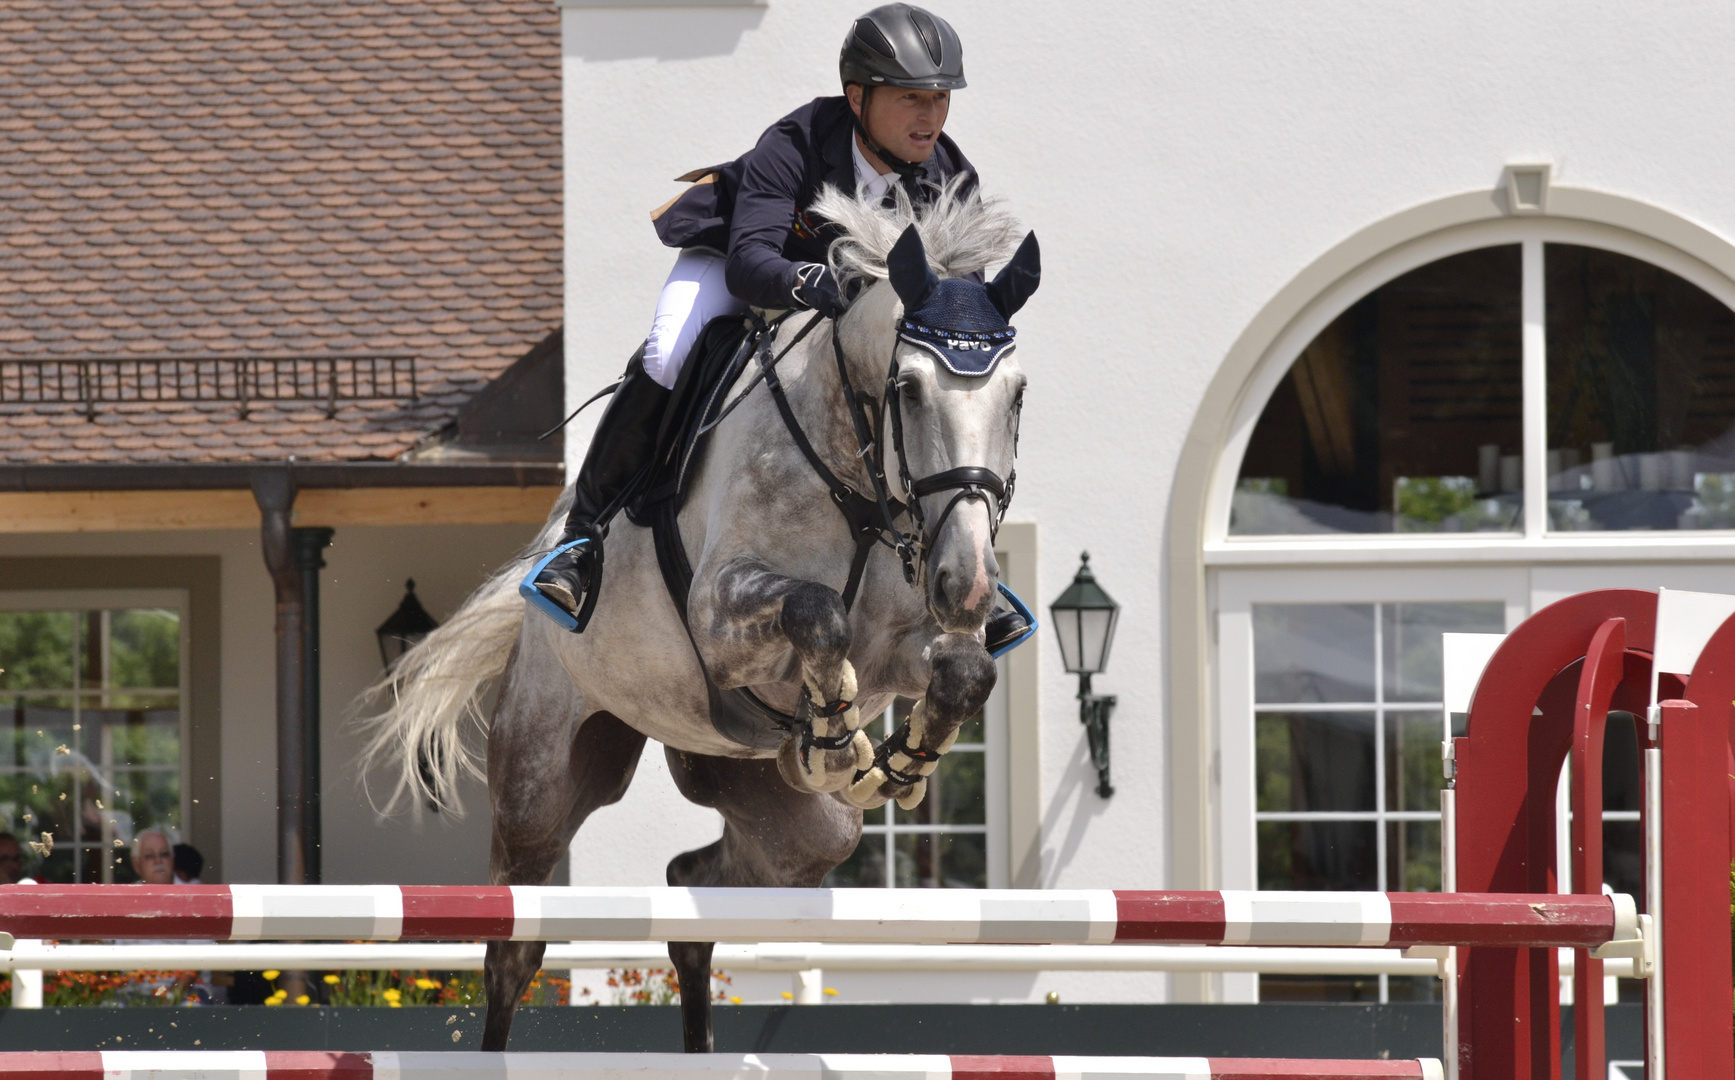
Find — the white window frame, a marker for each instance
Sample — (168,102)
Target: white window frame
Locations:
(176,600)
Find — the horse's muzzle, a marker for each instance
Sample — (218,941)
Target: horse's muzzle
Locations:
(962,570)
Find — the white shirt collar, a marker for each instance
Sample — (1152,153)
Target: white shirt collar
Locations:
(868,180)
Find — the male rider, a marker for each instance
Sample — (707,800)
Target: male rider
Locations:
(747,238)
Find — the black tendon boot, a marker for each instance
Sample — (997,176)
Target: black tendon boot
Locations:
(620,451)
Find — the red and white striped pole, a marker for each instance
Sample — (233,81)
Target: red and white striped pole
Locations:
(914,916)
(292,1065)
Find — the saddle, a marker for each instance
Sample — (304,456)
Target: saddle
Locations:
(723,350)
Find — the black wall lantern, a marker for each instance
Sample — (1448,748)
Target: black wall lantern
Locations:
(1084,623)
(409,624)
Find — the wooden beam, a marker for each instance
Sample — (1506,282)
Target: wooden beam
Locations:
(338,507)
(152,511)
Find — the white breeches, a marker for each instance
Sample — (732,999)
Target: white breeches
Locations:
(693,296)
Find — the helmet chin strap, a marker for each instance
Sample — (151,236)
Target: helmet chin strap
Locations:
(905,169)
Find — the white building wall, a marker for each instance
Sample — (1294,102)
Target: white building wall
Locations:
(1181,164)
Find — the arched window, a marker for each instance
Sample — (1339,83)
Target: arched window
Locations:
(1406,413)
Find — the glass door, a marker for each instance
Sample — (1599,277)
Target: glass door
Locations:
(1330,736)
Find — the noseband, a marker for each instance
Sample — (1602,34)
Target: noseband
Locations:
(971,482)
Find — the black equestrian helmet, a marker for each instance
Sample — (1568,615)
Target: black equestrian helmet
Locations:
(902,45)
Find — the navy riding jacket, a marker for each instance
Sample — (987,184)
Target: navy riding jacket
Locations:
(755,208)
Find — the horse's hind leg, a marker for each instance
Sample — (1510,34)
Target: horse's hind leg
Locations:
(773,836)
(540,798)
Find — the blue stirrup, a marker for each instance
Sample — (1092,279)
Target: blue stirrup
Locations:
(1029,617)
(527,588)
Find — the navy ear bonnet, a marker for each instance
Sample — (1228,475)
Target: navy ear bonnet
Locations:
(960,326)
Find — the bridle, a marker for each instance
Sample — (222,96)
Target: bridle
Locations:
(874,520)
(971,482)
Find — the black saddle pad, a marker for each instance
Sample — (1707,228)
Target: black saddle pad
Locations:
(722,351)
(718,356)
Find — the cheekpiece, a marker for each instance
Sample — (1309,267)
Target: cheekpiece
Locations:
(960,327)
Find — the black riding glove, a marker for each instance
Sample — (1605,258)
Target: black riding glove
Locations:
(816,288)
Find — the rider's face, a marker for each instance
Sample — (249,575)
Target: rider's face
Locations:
(906,122)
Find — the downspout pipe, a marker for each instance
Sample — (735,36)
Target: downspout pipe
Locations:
(274,491)
(310,545)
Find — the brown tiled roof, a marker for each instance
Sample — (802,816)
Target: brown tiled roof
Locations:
(274,177)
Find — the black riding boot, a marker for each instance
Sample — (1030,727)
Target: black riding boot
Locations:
(1004,627)
(620,451)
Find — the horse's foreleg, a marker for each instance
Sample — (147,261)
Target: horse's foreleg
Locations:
(539,800)
(758,614)
(963,677)
(773,837)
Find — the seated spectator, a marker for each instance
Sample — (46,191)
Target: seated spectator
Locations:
(153,857)
(188,865)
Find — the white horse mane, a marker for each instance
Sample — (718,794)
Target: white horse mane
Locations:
(963,233)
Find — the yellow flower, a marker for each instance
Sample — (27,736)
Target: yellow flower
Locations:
(427,984)
(274,1000)
(302,1000)
(272,974)
(392,995)
(395,1004)
(734,1001)
(787,996)
(331,980)
(829,992)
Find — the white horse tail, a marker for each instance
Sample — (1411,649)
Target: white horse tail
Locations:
(419,738)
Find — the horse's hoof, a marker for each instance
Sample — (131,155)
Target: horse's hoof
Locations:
(825,770)
(864,750)
(913,798)
(864,794)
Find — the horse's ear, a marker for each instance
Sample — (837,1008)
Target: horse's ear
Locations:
(1015,283)
(907,266)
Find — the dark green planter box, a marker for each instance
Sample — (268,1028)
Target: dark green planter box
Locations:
(1275,1030)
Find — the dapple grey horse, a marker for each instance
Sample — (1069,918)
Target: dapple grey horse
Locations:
(770,553)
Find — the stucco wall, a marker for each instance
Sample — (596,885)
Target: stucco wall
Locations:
(1181,163)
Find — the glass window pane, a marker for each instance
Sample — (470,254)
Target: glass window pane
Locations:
(1411,642)
(1641,396)
(1315,761)
(144,649)
(1402,415)
(1414,775)
(36,649)
(139,736)
(1313,652)
(942,861)
(956,794)
(1413,856)
(864,869)
(1318,855)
